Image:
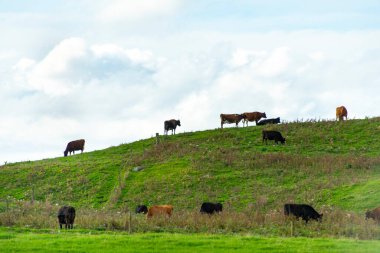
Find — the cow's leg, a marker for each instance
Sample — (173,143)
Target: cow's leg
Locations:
(60,225)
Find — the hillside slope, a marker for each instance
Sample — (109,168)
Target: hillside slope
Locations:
(323,163)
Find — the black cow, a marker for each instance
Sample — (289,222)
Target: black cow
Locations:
(273,135)
(74,145)
(141,209)
(268,121)
(66,215)
(306,212)
(171,125)
(210,208)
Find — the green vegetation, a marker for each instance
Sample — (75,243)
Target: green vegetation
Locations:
(334,166)
(88,241)
(323,163)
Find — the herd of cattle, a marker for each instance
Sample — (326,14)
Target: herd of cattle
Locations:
(66,214)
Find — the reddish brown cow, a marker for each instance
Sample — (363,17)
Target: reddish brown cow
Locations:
(230,118)
(374,214)
(341,112)
(253,116)
(160,210)
(74,145)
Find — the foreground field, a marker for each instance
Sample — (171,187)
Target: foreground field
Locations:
(92,241)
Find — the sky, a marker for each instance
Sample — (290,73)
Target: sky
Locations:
(113,71)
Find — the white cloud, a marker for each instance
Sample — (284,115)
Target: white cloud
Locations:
(110,93)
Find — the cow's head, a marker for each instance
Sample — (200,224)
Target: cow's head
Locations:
(320,217)
(178,123)
(264,115)
(65,152)
(368,215)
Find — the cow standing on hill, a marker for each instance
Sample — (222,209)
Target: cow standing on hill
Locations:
(306,212)
(268,121)
(160,210)
(230,118)
(74,145)
(141,209)
(210,208)
(171,125)
(374,214)
(253,116)
(273,135)
(66,215)
(341,112)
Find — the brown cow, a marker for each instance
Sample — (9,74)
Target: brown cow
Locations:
(253,116)
(74,145)
(341,112)
(160,210)
(374,214)
(230,118)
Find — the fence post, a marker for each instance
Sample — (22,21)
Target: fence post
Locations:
(7,203)
(32,193)
(130,223)
(291,228)
(157,138)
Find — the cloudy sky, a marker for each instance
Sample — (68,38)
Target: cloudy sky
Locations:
(112,71)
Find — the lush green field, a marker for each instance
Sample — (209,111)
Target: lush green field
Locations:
(333,166)
(88,241)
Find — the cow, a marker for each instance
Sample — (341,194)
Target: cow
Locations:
(160,210)
(268,121)
(374,214)
(341,112)
(74,145)
(273,135)
(171,125)
(306,212)
(230,118)
(66,215)
(210,208)
(253,116)
(141,209)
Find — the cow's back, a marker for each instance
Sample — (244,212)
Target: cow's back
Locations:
(159,210)
(374,214)
(306,212)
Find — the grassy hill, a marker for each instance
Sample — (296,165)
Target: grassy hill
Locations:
(333,164)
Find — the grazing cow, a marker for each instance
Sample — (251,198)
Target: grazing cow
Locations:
(374,214)
(273,135)
(341,112)
(160,210)
(210,208)
(306,212)
(230,118)
(74,145)
(268,121)
(253,116)
(141,209)
(171,125)
(66,215)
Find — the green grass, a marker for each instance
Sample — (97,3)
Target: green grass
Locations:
(92,241)
(323,163)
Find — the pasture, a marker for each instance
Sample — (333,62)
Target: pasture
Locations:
(90,241)
(333,166)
